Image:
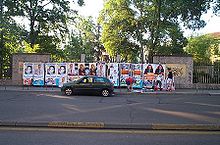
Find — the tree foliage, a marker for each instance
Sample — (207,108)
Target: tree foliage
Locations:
(150,24)
(204,48)
(84,40)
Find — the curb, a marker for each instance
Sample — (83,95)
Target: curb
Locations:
(102,125)
(116,92)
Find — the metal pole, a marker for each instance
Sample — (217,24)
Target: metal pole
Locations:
(1,37)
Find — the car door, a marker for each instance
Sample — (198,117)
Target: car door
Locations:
(85,85)
(99,84)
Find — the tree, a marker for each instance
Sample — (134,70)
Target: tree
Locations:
(11,35)
(154,24)
(45,16)
(204,48)
(84,40)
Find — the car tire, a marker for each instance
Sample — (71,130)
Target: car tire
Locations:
(105,93)
(68,91)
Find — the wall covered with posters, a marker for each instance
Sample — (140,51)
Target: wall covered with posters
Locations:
(56,74)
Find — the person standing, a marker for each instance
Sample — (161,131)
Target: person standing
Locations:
(170,82)
(129,82)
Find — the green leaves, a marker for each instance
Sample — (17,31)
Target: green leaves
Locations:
(204,48)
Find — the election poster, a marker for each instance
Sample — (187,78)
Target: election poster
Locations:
(125,71)
(62,73)
(113,73)
(101,69)
(137,76)
(159,73)
(38,77)
(27,73)
(51,78)
(72,72)
(92,69)
(148,70)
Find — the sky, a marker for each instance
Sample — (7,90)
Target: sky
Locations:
(93,7)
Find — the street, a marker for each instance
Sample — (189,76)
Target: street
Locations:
(43,106)
(33,136)
(148,108)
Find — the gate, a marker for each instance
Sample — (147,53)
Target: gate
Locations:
(206,73)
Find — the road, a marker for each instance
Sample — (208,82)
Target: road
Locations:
(42,136)
(27,106)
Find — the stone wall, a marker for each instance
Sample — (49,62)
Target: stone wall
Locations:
(182,67)
(19,59)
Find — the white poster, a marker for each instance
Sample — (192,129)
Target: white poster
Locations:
(101,69)
(38,79)
(27,73)
(113,73)
(62,73)
(51,78)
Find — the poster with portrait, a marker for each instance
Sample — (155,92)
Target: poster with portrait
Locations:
(113,73)
(92,69)
(149,78)
(27,73)
(38,77)
(51,78)
(101,69)
(72,72)
(125,71)
(62,73)
(137,73)
(159,76)
(81,69)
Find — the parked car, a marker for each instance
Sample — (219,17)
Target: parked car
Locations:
(89,85)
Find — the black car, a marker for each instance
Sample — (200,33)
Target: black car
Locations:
(89,85)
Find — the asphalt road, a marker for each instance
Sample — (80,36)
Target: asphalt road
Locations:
(44,106)
(42,136)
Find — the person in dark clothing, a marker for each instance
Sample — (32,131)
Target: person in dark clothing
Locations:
(169,80)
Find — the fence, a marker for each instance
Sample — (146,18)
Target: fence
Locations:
(206,73)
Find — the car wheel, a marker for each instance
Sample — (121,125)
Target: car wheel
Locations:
(68,91)
(105,93)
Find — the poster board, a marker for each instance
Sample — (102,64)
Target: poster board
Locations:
(27,73)
(38,77)
(113,73)
(51,78)
(137,75)
(125,71)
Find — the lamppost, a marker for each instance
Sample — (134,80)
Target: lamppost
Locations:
(1,37)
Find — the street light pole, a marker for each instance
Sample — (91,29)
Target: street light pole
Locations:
(1,38)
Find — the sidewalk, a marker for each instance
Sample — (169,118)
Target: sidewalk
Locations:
(120,91)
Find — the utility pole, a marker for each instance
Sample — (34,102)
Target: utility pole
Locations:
(1,39)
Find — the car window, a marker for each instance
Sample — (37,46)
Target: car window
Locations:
(99,80)
(90,80)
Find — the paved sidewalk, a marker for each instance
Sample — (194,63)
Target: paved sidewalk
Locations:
(121,91)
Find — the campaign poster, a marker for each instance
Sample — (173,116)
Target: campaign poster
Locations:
(92,69)
(149,77)
(113,73)
(51,78)
(81,69)
(27,74)
(62,73)
(137,75)
(101,69)
(159,74)
(38,79)
(72,72)
(125,71)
